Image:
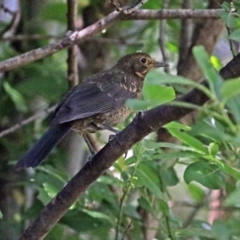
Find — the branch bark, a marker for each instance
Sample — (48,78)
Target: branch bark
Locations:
(143,124)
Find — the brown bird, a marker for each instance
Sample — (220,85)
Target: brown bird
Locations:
(95,104)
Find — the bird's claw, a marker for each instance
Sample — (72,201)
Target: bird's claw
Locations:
(111,137)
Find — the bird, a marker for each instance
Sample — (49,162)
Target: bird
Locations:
(97,103)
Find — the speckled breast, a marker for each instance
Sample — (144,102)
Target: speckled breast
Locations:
(97,122)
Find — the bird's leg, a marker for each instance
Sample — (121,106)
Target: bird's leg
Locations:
(106,127)
(90,147)
(112,136)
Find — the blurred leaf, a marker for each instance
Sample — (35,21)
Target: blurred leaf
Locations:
(214,79)
(1,215)
(57,230)
(221,230)
(81,221)
(169,176)
(139,105)
(15,96)
(196,192)
(226,6)
(235,35)
(233,199)
(233,105)
(177,125)
(216,62)
(98,215)
(188,140)
(158,93)
(55,11)
(149,179)
(230,88)
(146,204)
(209,175)
(213,148)
(229,19)
(164,207)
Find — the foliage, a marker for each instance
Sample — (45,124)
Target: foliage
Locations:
(166,181)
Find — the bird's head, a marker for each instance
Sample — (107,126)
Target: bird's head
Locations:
(139,64)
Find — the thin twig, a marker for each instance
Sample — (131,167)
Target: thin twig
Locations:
(73,51)
(26,121)
(162,34)
(230,42)
(127,229)
(184,40)
(32,37)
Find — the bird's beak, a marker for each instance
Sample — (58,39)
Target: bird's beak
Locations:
(156,64)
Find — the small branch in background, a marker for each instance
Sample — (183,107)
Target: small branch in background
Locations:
(104,23)
(192,214)
(7,10)
(32,37)
(26,121)
(127,229)
(230,42)
(11,27)
(162,34)
(72,60)
(185,37)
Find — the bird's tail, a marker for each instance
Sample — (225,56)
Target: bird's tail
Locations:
(36,154)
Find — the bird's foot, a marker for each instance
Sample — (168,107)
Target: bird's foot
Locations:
(89,162)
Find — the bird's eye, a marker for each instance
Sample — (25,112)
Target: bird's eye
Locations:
(143,60)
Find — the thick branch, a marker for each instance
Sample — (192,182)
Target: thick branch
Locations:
(143,124)
(80,36)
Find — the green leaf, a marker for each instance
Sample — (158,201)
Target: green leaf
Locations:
(188,140)
(196,192)
(138,105)
(177,125)
(235,35)
(206,66)
(209,175)
(1,215)
(230,88)
(15,96)
(55,11)
(162,78)
(234,172)
(169,176)
(149,179)
(220,230)
(98,215)
(158,93)
(213,148)
(73,218)
(233,200)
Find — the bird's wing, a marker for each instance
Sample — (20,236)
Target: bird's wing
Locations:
(92,97)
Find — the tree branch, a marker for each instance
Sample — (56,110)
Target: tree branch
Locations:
(27,121)
(104,23)
(143,124)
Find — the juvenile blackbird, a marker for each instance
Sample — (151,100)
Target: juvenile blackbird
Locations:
(95,104)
